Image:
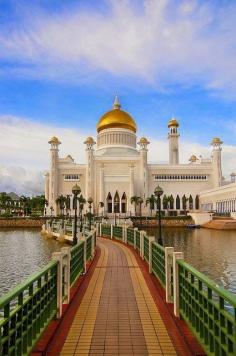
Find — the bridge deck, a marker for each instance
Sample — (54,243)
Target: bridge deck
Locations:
(117,314)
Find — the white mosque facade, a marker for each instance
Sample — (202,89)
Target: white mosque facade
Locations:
(117,169)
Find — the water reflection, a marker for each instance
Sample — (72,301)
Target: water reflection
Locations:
(22,252)
(213,252)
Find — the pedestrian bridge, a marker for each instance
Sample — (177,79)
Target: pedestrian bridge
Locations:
(118,292)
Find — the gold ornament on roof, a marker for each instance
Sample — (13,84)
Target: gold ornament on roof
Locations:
(116,118)
(173,122)
(54,140)
(89,140)
(144,140)
(216,141)
(193,158)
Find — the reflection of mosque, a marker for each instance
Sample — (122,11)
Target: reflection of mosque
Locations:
(118,169)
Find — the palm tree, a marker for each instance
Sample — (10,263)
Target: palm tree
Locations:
(61,200)
(165,202)
(184,202)
(151,202)
(135,200)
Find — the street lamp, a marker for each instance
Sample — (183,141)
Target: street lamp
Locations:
(76,191)
(158,193)
(140,202)
(90,201)
(81,206)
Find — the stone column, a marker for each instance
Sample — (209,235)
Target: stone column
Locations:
(131,187)
(101,193)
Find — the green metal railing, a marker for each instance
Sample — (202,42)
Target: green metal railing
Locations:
(26,310)
(158,262)
(138,240)
(146,248)
(130,236)
(210,311)
(117,232)
(89,248)
(106,230)
(76,262)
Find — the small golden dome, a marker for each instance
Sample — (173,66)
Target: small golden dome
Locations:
(173,122)
(116,118)
(89,140)
(193,158)
(216,140)
(143,140)
(54,140)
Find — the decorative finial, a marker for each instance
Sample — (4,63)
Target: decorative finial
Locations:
(116,104)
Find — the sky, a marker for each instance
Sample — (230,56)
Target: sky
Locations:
(62,63)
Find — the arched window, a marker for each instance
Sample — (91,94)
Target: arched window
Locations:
(177,202)
(116,203)
(123,203)
(109,203)
(171,200)
(197,202)
(190,202)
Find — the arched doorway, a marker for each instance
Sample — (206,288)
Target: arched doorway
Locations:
(116,203)
(124,203)
(109,203)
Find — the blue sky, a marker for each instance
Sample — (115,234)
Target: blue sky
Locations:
(62,63)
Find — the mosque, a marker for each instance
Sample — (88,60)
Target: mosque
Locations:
(117,169)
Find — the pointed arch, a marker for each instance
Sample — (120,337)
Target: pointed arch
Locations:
(116,203)
(124,203)
(109,203)
(177,202)
(197,202)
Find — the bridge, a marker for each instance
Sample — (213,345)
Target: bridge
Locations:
(119,292)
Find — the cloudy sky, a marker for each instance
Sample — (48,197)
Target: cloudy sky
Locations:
(62,62)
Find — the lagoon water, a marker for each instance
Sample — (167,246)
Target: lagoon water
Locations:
(22,252)
(25,251)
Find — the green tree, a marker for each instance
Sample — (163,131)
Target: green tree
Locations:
(151,202)
(165,202)
(190,200)
(135,200)
(61,200)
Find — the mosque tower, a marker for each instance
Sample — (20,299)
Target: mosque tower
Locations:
(173,137)
(216,161)
(53,176)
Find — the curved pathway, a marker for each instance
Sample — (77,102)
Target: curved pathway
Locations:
(117,315)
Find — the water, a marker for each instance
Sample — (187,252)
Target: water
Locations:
(212,252)
(22,252)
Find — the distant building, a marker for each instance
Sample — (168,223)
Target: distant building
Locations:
(117,168)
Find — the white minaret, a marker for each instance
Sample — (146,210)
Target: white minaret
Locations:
(89,142)
(143,143)
(53,175)
(216,161)
(173,138)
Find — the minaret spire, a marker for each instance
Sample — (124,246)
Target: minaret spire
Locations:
(116,104)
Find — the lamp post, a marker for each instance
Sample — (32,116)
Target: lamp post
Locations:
(140,202)
(76,191)
(90,201)
(81,206)
(158,193)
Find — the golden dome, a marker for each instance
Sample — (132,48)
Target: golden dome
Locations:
(173,122)
(116,118)
(193,158)
(216,140)
(143,140)
(54,140)
(89,140)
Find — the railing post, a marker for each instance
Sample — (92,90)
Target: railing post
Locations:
(73,228)
(100,229)
(142,244)
(58,257)
(124,233)
(176,256)
(85,254)
(66,262)
(111,231)
(151,240)
(135,244)
(168,264)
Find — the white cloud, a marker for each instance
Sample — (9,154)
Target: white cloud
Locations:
(24,152)
(164,43)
